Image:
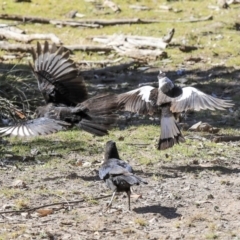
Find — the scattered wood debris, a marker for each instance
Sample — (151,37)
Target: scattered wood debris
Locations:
(112,5)
(203,127)
(165,7)
(137,47)
(139,7)
(12,28)
(26,38)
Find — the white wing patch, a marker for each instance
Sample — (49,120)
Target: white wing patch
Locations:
(187,92)
(145,92)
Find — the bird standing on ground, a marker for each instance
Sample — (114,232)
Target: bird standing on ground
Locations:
(169,99)
(117,174)
(66,95)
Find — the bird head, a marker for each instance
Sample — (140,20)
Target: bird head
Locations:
(165,84)
(111,150)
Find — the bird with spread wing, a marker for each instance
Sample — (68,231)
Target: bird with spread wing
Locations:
(168,100)
(66,98)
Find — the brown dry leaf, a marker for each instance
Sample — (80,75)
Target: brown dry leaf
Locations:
(19,114)
(43,212)
(79,163)
(136,196)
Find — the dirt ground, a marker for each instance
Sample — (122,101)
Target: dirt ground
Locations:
(199,200)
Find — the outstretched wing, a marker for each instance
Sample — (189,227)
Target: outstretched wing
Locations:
(145,100)
(192,98)
(138,100)
(36,127)
(57,75)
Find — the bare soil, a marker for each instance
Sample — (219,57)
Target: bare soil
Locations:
(199,200)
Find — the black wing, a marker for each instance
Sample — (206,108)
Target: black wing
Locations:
(114,167)
(57,75)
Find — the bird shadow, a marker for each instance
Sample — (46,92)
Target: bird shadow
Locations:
(140,173)
(92,178)
(167,212)
(191,168)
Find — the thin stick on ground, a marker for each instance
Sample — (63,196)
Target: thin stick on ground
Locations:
(53,204)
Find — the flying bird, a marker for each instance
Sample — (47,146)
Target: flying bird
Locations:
(169,100)
(93,115)
(66,98)
(117,174)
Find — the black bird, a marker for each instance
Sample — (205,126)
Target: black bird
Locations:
(66,97)
(169,100)
(117,174)
(93,115)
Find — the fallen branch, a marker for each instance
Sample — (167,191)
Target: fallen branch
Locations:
(12,28)
(226,139)
(7,34)
(191,20)
(140,54)
(24,18)
(92,22)
(52,204)
(15,47)
(104,62)
(109,22)
(74,24)
(29,19)
(89,48)
(140,7)
(27,48)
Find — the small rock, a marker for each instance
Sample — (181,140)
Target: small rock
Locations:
(87,164)
(19,184)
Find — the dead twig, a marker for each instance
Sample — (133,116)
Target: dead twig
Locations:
(53,204)
(192,20)
(24,18)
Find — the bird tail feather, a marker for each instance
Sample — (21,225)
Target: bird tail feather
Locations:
(170,133)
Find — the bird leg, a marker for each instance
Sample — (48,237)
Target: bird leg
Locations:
(110,204)
(129,203)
